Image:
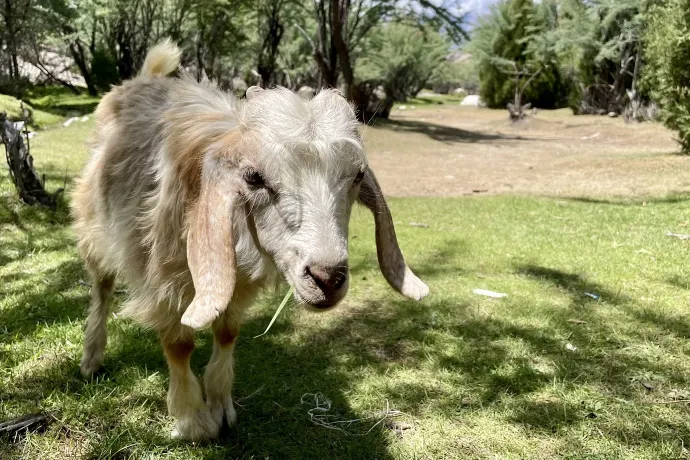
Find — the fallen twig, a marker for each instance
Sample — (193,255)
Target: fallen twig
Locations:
(25,422)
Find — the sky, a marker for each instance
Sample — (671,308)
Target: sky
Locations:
(476,7)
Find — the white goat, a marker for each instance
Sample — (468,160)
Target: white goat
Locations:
(197,200)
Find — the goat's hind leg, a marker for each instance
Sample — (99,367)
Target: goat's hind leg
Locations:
(96,334)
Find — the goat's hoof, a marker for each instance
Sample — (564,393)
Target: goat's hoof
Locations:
(223,408)
(200,426)
(414,288)
(90,364)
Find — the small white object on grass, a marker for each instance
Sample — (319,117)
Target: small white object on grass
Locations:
(280,308)
(69,121)
(321,406)
(570,347)
(680,236)
(484,292)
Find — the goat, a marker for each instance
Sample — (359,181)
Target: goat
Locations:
(196,200)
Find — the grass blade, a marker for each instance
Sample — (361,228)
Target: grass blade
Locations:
(280,308)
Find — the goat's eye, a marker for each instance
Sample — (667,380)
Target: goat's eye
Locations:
(358,178)
(254,178)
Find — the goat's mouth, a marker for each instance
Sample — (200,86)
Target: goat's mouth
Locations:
(318,302)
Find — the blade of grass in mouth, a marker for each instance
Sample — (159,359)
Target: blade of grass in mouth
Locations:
(280,308)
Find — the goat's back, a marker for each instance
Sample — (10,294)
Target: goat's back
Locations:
(120,174)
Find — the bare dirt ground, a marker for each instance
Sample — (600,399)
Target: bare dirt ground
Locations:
(454,151)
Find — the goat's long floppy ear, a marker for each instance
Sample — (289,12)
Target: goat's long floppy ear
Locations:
(391,260)
(211,248)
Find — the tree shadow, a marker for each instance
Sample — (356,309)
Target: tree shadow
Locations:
(471,356)
(622,201)
(678,282)
(578,288)
(440,259)
(441,133)
(272,381)
(55,297)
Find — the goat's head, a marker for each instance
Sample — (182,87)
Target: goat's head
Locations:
(296,169)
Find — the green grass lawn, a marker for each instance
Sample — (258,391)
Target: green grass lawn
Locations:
(430,99)
(49,105)
(473,377)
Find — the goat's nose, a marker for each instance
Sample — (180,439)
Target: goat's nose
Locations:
(328,279)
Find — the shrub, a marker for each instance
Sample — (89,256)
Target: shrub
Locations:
(667,52)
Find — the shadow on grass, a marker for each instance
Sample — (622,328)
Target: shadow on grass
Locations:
(441,133)
(475,355)
(36,228)
(670,199)
(443,258)
(575,285)
(468,356)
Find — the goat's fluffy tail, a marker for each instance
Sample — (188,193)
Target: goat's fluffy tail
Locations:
(161,60)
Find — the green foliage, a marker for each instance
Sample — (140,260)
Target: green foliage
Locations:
(13,107)
(667,52)
(452,74)
(402,58)
(512,37)
(597,43)
(104,69)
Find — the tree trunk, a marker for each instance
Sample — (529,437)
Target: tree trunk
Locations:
(340,10)
(269,48)
(325,54)
(24,176)
(79,56)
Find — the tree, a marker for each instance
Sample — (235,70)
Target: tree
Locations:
(600,43)
(400,58)
(667,52)
(341,26)
(455,72)
(509,41)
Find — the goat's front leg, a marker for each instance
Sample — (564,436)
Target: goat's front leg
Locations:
(185,400)
(220,372)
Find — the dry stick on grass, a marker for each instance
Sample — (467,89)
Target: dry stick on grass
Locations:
(25,423)
(22,172)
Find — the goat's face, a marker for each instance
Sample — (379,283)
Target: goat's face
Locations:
(294,168)
(299,182)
